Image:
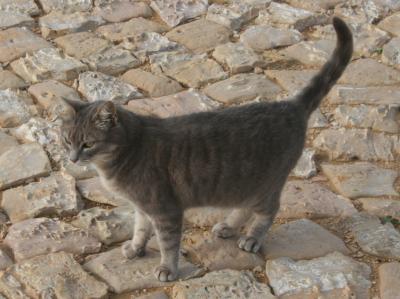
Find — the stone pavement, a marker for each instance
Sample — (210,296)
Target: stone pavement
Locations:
(338,232)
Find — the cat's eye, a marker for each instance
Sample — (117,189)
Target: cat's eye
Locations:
(88,145)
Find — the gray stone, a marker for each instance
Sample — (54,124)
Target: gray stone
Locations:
(118,31)
(10,80)
(305,199)
(362,144)
(46,64)
(67,6)
(242,88)
(5,260)
(174,12)
(361,179)
(22,163)
(200,36)
(333,271)
(377,9)
(264,37)
(28,7)
(124,275)
(305,167)
(301,239)
(120,11)
(15,108)
(57,23)
(82,44)
(391,24)
(222,284)
(109,226)
(6,142)
(218,254)
(53,195)
(379,95)
(56,275)
(12,19)
(291,80)
(112,61)
(154,85)
(16,42)
(389,277)
(380,118)
(374,238)
(391,52)
(237,57)
(163,62)
(38,236)
(317,120)
(259,4)
(185,102)
(381,207)
(233,16)
(351,12)
(311,53)
(315,5)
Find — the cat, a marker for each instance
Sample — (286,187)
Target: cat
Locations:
(237,157)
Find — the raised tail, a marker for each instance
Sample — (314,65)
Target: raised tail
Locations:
(322,83)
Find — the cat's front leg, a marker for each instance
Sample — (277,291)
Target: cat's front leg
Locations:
(141,234)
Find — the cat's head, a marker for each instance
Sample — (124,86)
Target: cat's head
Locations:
(92,133)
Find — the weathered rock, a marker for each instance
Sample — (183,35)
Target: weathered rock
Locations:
(380,118)
(391,24)
(96,86)
(109,226)
(93,190)
(351,12)
(301,239)
(304,199)
(391,52)
(317,120)
(54,195)
(237,57)
(162,62)
(56,275)
(10,80)
(22,163)
(333,271)
(39,236)
(264,37)
(82,44)
(46,64)
(200,36)
(377,9)
(207,216)
(124,275)
(28,7)
(373,237)
(311,53)
(185,102)
(112,61)
(316,5)
(362,144)
(381,207)
(174,12)
(222,284)
(120,11)
(361,179)
(154,295)
(57,23)
(118,31)
(79,172)
(66,6)
(218,254)
(291,80)
(12,19)
(242,88)
(233,16)
(154,85)
(385,95)
(258,4)
(6,142)
(16,42)
(5,260)
(389,276)
(15,108)
(305,167)
(281,14)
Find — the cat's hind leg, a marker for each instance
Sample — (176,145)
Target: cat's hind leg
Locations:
(230,226)
(141,234)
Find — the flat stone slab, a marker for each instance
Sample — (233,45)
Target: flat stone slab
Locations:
(305,167)
(46,64)
(218,254)
(174,12)
(185,102)
(109,226)
(311,53)
(381,207)
(361,179)
(305,199)
(391,24)
(301,239)
(391,52)
(377,9)
(118,11)
(66,6)
(53,195)
(333,271)
(11,19)
(222,284)
(123,275)
(389,276)
(241,88)
(200,36)
(38,236)
(5,260)
(16,42)
(15,108)
(28,7)
(374,95)
(56,275)
(316,6)
(292,81)
(154,85)
(10,80)
(22,163)
(96,86)
(6,142)
(264,37)
(162,62)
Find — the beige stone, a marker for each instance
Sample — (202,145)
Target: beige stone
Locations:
(389,277)
(10,80)
(120,11)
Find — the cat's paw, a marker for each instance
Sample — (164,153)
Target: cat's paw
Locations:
(163,273)
(249,244)
(223,230)
(130,252)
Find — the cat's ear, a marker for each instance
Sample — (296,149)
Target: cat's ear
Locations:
(74,104)
(105,116)
(68,109)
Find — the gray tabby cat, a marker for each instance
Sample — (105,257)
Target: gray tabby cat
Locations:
(236,157)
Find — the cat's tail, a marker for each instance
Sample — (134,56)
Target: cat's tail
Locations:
(321,84)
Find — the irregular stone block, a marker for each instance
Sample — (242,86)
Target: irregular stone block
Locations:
(10,80)
(377,9)
(15,108)
(311,53)
(391,24)
(12,19)
(305,167)
(27,7)
(315,5)
(317,120)
(389,276)
(233,16)
(6,142)
(67,6)
(291,80)
(5,260)
(391,52)
(385,95)
(163,62)
(381,207)
(123,11)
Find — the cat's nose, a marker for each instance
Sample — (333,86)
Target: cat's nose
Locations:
(73,156)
